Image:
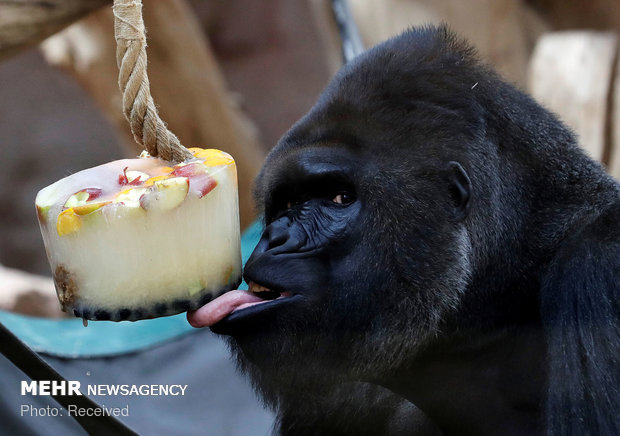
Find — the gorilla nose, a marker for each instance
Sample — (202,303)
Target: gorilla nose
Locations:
(275,240)
(277,233)
(282,236)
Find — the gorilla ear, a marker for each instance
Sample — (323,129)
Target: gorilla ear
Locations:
(460,189)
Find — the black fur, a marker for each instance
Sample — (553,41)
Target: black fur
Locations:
(473,268)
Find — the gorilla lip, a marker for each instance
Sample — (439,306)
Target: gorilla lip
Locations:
(232,302)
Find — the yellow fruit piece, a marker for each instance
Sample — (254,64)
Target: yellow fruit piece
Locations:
(88,208)
(152,180)
(209,153)
(213,157)
(68,222)
(161,171)
(125,191)
(195,150)
(216,161)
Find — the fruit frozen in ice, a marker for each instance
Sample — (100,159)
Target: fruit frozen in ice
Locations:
(140,238)
(200,182)
(165,194)
(68,222)
(82,197)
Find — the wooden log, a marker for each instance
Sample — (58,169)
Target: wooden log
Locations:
(503,31)
(25,23)
(28,294)
(186,83)
(571,74)
(588,14)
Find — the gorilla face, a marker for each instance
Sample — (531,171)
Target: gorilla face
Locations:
(364,249)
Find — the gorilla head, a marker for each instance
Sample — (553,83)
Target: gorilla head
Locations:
(412,219)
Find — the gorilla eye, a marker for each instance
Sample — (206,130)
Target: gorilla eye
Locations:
(343,198)
(292,204)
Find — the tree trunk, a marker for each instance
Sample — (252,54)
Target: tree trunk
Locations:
(24,23)
(571,74)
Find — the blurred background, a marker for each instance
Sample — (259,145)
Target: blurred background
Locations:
(235,75)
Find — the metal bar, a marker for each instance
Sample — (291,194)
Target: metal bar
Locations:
(351,41)
(37,369)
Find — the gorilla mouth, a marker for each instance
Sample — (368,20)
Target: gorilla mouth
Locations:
(265,293)
(238,305)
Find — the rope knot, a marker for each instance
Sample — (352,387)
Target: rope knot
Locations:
(128,24)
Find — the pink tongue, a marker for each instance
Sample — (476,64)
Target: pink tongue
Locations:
(219,308)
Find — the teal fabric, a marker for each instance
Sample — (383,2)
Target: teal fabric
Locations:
(68,338)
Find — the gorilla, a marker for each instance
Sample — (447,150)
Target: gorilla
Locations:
(434,241)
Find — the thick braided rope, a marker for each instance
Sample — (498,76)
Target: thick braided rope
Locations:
(147,127)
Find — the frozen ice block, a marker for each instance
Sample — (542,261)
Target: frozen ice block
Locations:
(142,238)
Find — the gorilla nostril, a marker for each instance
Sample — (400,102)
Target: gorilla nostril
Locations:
(275,240)
(277,233)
